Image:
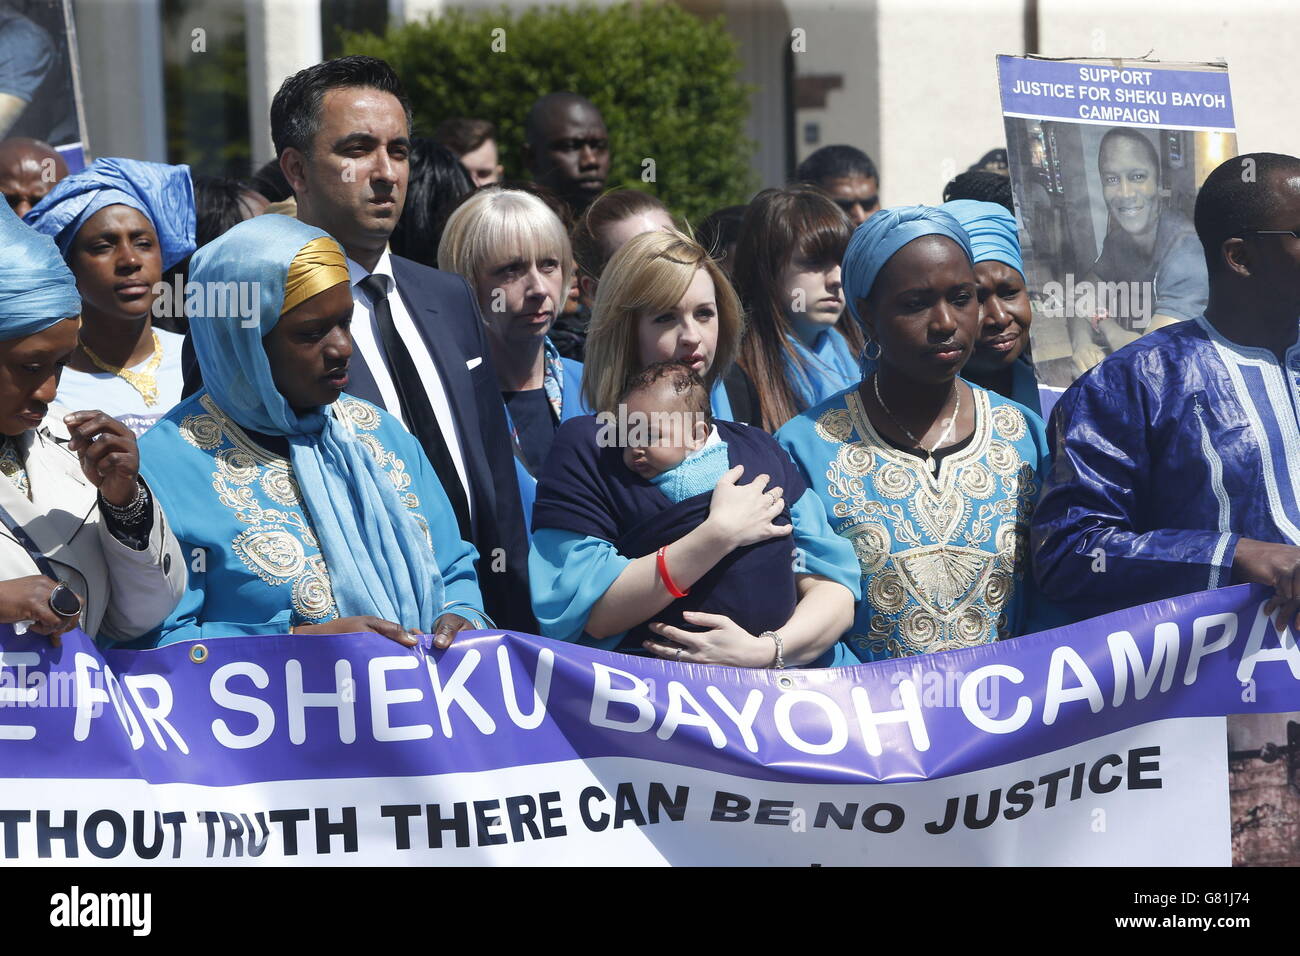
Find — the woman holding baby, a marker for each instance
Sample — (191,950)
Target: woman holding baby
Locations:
(673,533)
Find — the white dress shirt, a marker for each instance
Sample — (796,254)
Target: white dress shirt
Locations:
(365,339)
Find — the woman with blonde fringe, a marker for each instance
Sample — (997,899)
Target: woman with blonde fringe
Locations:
(617,555)
(514,252)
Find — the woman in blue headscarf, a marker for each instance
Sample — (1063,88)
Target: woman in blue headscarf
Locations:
(306,510)
(931,478)
(1000,361)
(120,225)
(83,542)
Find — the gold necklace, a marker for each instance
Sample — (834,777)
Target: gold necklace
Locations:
(929,455)
(146,382)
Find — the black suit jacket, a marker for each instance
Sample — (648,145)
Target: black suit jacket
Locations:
(443,308)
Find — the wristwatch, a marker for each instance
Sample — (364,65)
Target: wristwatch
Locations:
(64,601)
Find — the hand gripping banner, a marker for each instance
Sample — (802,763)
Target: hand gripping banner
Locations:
(1098,743)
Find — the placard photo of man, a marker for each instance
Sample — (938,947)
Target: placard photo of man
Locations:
(1150,249)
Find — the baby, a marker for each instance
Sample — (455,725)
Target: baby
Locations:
(672,442)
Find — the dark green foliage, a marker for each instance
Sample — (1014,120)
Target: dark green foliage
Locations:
(664,79)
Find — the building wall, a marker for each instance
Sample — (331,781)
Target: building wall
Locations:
(121,82)
(1258,40)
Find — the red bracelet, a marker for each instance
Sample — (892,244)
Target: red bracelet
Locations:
(663,575)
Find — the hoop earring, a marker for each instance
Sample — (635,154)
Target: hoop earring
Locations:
(866,352)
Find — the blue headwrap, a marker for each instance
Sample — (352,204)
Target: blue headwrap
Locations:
(992,231)
(378,557)
(36,288)
(877,239)
(163,193)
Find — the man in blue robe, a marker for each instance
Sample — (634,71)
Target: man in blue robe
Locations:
(1176,461)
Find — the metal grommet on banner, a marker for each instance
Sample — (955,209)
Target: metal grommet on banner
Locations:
(199,653)
(785,682)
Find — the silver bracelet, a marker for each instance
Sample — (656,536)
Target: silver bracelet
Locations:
(131,513)
(778,662)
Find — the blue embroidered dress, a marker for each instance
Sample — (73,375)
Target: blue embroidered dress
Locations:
(1165,455)
(942,559)
(255,566)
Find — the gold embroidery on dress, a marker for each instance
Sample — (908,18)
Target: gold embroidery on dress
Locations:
(871,545)
(276,555)
(942,578)
(834,425)
(1009,423)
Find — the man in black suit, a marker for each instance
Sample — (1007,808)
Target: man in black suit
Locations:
(342,133)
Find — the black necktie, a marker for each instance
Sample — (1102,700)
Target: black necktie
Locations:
(416,410)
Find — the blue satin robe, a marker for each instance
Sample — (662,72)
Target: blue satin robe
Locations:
(1164,456)
(254,564)
(942,559)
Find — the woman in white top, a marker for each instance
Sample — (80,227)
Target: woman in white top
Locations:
(120,224)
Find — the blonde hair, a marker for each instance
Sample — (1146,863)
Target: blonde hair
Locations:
(495,222)
(650,274)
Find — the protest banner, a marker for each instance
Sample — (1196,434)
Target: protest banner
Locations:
(1106,157)
(1097,743)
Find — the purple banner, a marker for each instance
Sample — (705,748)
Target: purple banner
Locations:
(248,709)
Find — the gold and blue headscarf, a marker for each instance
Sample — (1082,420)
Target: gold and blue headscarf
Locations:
(163,193)
(36,288)
(378,557)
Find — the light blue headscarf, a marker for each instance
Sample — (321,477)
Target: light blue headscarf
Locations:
(164,194)
(877,239)
(992,231)
(379,560)
(36,288)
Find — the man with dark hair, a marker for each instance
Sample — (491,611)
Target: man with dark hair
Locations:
(342,133)
(848,176)
(1177,459)
(29,169)
(566,148)
(475,142)
(1151,249)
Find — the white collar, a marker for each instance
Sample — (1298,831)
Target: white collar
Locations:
(384,267)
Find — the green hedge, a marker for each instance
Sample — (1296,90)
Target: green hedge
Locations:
(664,79)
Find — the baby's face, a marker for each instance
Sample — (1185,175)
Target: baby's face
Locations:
(660,431)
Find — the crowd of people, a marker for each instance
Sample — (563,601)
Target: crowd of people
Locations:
(375,388)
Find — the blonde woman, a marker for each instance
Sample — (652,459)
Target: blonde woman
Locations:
(515,253)
(616,556)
